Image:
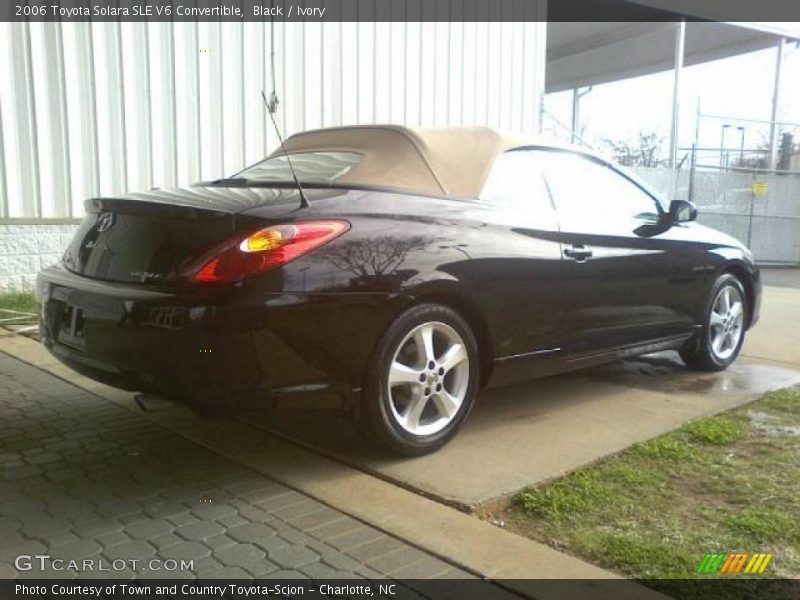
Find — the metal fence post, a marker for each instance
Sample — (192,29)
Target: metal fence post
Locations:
(752,208)
(692,169)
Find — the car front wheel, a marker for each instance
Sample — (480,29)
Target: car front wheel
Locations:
(719,341)
(423,380)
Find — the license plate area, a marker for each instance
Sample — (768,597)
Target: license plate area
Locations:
(71,327)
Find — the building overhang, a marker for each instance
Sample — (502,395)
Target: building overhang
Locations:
(591,53)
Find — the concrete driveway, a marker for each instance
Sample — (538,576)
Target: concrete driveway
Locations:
(536,431)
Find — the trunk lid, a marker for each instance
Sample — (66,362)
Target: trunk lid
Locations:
(152,237)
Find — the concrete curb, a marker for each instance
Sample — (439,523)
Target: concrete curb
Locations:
(456,537)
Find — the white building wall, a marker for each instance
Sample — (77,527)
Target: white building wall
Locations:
(27,247)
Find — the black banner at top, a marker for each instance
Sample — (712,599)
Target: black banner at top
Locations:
(399,10)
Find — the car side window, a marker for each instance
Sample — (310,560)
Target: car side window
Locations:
(590,195)
(516,183)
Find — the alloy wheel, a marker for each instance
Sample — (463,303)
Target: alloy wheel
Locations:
(726,323)
(428,378)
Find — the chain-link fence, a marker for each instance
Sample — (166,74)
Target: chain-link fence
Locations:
(760,209)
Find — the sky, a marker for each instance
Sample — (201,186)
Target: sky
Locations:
(739,86)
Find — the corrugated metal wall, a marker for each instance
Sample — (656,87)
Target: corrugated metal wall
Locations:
(89,109)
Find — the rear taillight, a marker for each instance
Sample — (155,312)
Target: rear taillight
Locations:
(266,249)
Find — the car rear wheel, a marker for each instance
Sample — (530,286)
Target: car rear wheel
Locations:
(718,343)
(423,381)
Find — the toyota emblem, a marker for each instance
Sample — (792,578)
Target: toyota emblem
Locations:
(105,221)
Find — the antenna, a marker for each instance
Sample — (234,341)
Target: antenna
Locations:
(272,105)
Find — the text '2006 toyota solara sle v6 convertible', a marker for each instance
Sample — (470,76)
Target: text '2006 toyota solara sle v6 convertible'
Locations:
(411,268)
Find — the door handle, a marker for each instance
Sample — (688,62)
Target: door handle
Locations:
(578,253)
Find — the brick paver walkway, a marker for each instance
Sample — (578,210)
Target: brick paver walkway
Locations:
(85,479)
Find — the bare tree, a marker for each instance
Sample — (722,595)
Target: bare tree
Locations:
(642,152)
(377,257)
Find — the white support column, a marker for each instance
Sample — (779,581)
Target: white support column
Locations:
(576,104)
(776,90)
(577,94)
(680,42)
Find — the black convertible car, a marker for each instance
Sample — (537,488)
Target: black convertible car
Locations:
(413,268)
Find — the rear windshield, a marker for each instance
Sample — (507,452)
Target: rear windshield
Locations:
(311,167)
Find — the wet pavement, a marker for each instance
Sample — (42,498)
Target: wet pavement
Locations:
(664,372)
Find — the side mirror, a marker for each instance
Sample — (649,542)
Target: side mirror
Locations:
(681,211)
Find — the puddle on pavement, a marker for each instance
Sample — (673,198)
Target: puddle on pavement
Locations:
(763,423)
(664,372)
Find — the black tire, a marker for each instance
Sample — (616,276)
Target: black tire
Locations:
(380,410)
(698,353)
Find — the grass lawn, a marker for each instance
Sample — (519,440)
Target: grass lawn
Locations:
(18,301)
(722,484)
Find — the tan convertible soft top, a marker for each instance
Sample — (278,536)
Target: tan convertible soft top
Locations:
(446,161)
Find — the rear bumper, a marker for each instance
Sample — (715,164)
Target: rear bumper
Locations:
(232,346)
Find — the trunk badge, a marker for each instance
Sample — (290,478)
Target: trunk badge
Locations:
(105,221)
